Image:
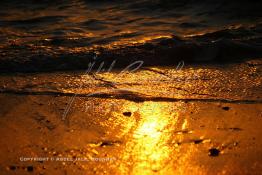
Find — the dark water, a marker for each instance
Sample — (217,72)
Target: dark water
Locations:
(61,35)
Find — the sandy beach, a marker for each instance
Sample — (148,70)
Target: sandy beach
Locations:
(74,123)
(134,87)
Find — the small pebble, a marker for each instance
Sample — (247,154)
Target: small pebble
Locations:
(30,168)
(128,114)
(214,152)
(107,143)
(198,141)
(12,167)
(226,108)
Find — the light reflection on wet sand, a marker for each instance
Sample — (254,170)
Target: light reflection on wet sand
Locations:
(148,149)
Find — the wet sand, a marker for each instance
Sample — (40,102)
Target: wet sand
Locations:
(205,120)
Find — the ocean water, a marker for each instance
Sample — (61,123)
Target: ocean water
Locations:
(56,35)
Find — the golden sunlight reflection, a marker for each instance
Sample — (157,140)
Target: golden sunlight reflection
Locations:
(148,149)
(133,41)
